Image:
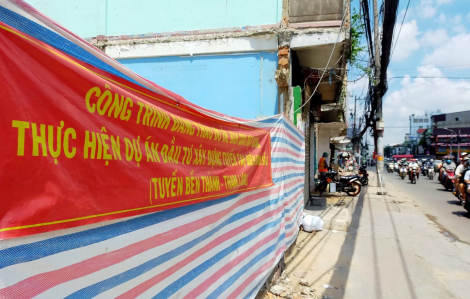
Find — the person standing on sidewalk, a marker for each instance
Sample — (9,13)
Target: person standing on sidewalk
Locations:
(323,165)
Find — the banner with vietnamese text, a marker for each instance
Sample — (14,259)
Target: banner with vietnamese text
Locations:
(80,145)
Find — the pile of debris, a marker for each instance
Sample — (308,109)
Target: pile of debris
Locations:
(285,289)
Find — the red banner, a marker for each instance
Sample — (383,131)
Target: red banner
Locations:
(80,145)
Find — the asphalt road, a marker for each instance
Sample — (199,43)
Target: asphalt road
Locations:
(441,206)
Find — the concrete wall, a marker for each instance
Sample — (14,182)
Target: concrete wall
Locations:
(240,85)
(315,10)
(89,18)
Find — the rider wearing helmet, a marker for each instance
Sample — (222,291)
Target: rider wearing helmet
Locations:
(412,165)
(448,164)
(458,175)
(466,180)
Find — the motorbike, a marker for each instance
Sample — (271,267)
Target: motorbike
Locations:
(414,174)
(363,175)
(460,196)
(431,173)
(348,184)
(403,172)
(466,205)
(395,167)
(390,167)
(448,180)
(425,170)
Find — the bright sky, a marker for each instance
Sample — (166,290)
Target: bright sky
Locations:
(430,66)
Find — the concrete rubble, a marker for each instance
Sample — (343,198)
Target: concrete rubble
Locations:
(288,290)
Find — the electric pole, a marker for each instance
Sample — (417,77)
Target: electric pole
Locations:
(379,124)
(355,128)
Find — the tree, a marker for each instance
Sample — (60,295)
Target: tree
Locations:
(388,151)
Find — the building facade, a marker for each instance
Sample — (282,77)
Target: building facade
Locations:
(450,133)
(418,122)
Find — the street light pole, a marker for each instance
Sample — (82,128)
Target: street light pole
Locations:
(451,142)
(451,131)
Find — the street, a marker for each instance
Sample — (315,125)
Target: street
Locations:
(439,205)
(402,245)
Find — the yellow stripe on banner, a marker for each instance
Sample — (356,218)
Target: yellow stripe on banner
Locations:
(130,210)
(177,106)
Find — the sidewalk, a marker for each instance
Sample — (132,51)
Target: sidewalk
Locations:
(390,250)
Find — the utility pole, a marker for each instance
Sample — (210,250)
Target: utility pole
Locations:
(379,124)
(451,136)
(355,128)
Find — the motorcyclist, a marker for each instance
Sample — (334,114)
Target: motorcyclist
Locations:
(424,166)
(458,172)
(402,164)
(412,165)
(431,167)
(448,164)
(458,176)
(466,180)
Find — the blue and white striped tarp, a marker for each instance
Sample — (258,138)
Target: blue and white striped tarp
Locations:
(223,248)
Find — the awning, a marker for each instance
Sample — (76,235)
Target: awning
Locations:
(340,140)
(453,135)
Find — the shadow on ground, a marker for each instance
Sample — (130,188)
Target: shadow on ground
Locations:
(340,278)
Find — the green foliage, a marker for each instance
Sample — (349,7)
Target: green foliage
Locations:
(388,151)
(357,31)
(422,141)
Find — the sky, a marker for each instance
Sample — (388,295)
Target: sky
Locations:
(430,65)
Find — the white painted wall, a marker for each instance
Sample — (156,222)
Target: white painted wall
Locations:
(267,42)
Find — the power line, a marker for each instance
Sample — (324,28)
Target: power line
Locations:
(396,41)
(442,77)
(437,67)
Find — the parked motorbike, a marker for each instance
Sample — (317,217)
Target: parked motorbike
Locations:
(363,175)
(349,184)
(414,174)
(403,172)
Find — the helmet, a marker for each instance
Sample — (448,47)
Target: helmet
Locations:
(448,161)
(325,154)
(432,160)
